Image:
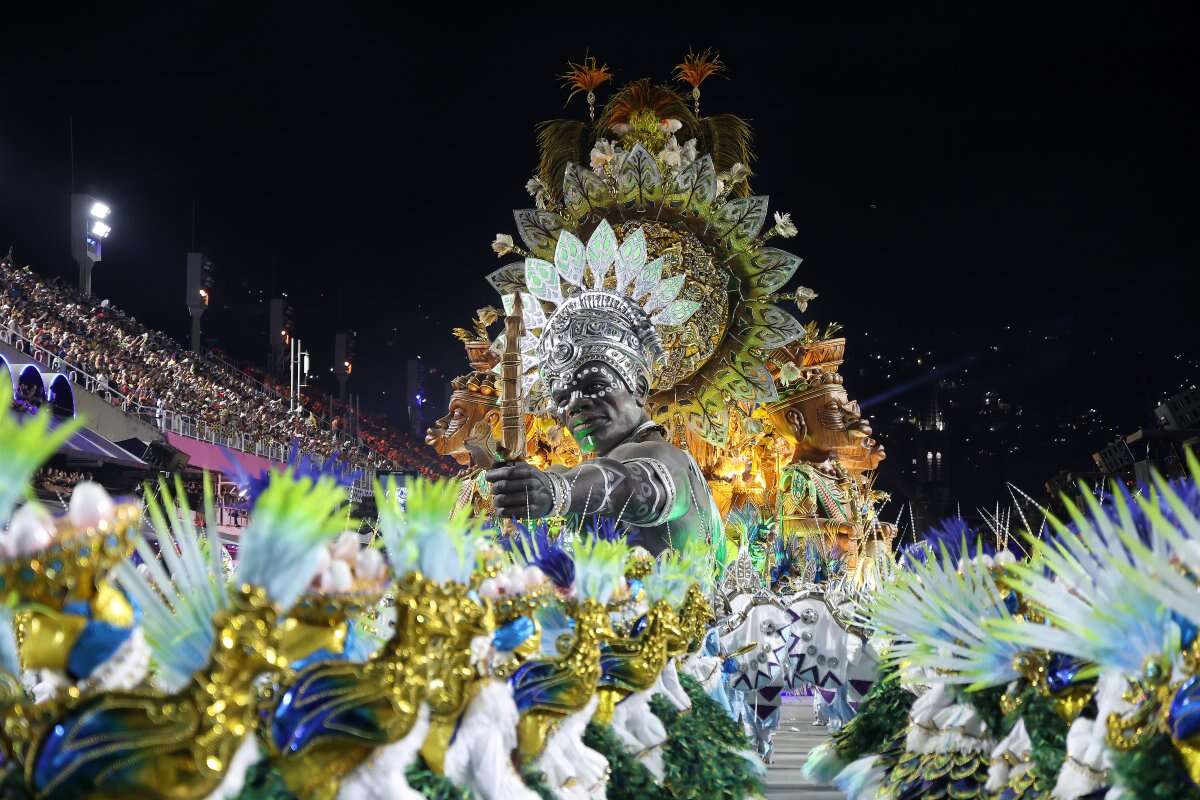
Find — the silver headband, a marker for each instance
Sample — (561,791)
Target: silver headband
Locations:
(599,326)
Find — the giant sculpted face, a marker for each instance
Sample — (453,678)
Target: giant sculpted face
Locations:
(821,420)
(473,403)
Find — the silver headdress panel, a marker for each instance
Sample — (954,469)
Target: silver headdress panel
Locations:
(599,326)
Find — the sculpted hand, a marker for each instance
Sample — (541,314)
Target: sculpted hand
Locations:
(520,490)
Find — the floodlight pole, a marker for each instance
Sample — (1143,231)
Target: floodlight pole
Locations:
(85,247)
(197,295)
(297,372)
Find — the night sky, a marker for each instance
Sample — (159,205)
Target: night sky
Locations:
(949,176)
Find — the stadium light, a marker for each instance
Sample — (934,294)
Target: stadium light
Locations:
(88,231)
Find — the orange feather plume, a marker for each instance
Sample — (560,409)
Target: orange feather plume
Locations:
(585,77)
(699,67)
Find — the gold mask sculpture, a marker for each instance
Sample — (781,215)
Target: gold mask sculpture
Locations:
(474,401)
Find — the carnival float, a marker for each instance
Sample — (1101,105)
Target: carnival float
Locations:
(666,522)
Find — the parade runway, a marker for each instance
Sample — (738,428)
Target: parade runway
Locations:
(795,738)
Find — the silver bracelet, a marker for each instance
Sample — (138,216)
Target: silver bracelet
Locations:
(560,493)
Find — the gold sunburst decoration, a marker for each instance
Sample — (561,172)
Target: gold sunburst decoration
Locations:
(657,194)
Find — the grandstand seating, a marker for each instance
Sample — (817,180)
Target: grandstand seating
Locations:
(80,340)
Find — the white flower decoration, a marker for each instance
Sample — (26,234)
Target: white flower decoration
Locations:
(534,185)
(669,126)
(789,373)
(672,154)
(602,153)
(784,226)
(689,151)
(502,245)
(736,174)
(802,296)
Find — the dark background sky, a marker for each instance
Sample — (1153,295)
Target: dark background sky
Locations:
(949,175)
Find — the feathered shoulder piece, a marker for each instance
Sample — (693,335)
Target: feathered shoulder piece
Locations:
(427,534)
(936,614)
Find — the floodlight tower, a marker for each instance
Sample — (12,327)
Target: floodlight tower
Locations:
(89,227)
(199,292)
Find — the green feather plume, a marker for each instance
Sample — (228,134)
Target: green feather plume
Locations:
(25,444)
(561,142)
(936,614)
(729,139)
(290,521)
(598,567)
(393,529)
(180,593)
(429,535)
(702,562)
(669,580)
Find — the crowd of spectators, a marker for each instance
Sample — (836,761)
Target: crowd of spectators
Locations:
(59,481)
(151,374)
(378,433)
(383,437)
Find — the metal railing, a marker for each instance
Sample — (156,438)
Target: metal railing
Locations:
(164,419)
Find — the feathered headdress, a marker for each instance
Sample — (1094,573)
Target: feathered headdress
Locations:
(289,523)
(1099,586)
(660,173)
(935,615)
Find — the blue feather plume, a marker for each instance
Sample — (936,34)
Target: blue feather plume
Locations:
(302,465)
(537,547)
